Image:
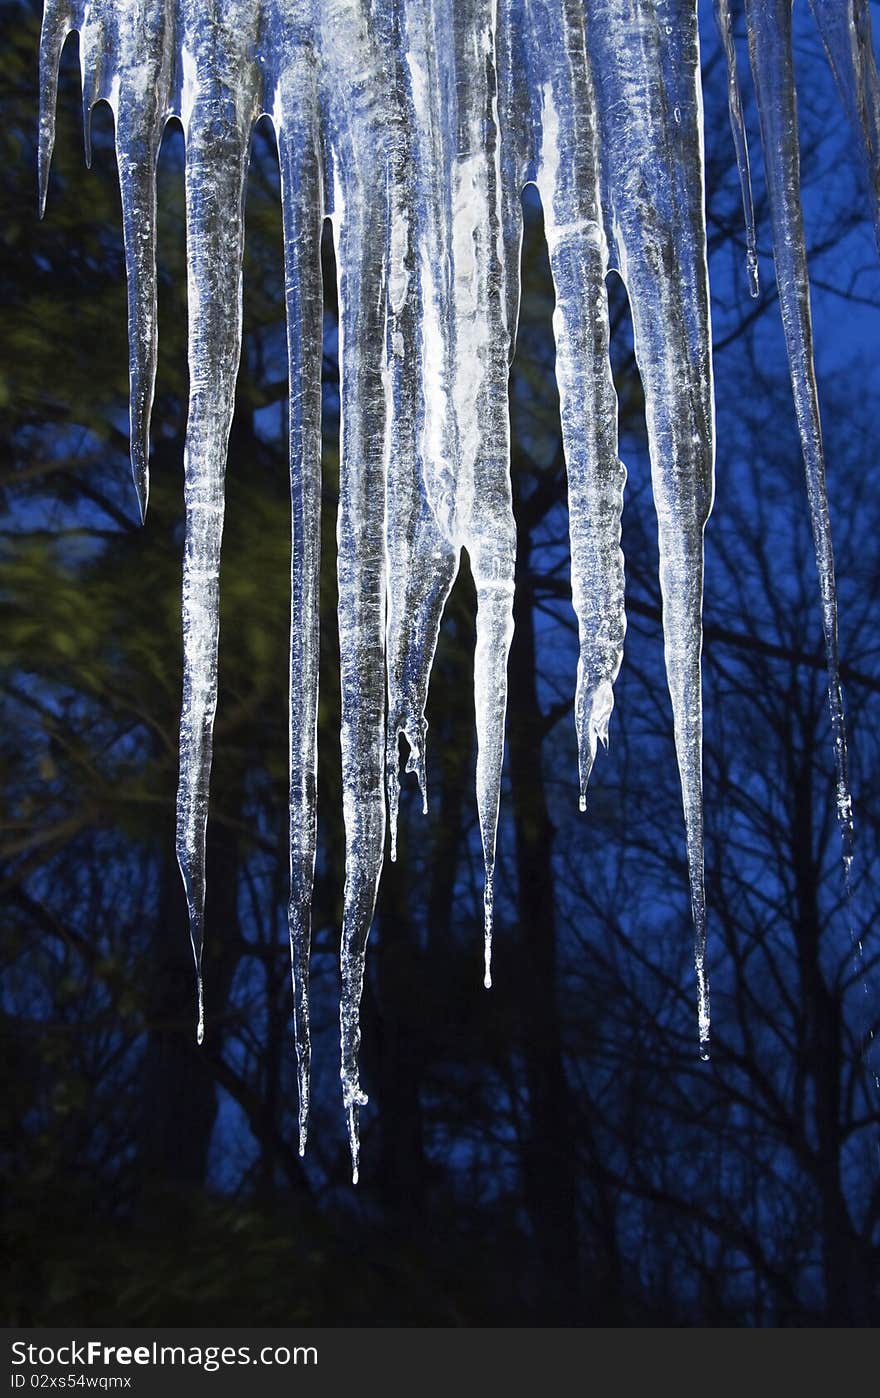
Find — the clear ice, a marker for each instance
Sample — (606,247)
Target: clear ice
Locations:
(415,126)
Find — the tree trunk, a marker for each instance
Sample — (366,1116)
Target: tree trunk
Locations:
(549,1177)
(400,1049)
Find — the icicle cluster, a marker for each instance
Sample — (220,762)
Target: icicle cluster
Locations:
(415,125)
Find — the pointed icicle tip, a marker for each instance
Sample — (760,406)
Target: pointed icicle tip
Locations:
(354,1141)
(392,789)
(200,1027)
(303,1086)
(142,491)
(302,1042)
(752,270)
(51,43)
(87,134)
(140,476)
(703,1015)
(488,914)
(416,763)
(42,186)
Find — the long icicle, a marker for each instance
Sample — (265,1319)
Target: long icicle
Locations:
(484,521)
(769,24)
(569,184)
(845,27)
(422,560)
(740,141)
(296,121)
(463,295)
(650,115)
(145,72)
(127,60)
(58,21)
(360,227)
(217,115)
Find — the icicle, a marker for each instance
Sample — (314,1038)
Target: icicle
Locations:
(740,141)
(218,108)
(142,97)
(421,570)
(568,177)
(649,101)
(460,496)
(845,27)
(422,562)
(299,149)
(358,107)
(769,23)
(127,60)
(483,509)
(58,21)
(137,180)
(96,53)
